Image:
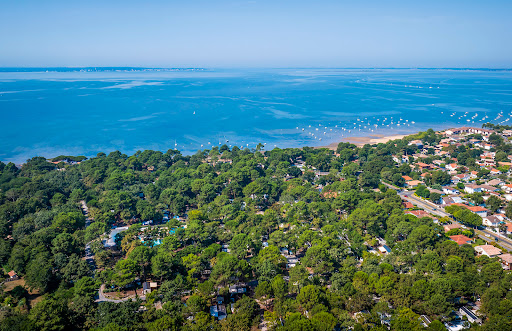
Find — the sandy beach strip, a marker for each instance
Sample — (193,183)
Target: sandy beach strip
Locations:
(371,139)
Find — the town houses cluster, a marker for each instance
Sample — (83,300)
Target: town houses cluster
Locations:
(478,180)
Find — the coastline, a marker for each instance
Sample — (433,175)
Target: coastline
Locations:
(370,139)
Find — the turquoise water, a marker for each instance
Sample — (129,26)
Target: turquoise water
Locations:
(83,112)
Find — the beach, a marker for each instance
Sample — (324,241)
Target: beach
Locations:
(371,139)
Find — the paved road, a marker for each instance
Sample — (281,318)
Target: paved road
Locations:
(502,240)
(439,211)
(89,258)
(427,205)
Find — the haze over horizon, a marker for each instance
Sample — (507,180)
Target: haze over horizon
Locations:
(369,34)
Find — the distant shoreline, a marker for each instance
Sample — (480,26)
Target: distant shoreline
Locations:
(369,139)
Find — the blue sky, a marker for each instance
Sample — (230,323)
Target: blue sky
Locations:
(278,33)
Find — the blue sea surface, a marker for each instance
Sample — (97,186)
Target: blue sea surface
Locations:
(53,111)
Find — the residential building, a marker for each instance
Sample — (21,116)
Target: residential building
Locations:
(423,166)
(461,239)
(450,190)
(407,205)
(425,320)
(12,275)
(384,249)
(452,166)
(239,288)
(480,211)
(488,188)
(509,227)
(472,188)
(400,159)
(413,183)
(492,220)
(507,188)
(495,182)
(452,200)
(468,130)
(488,250)
(417,213)
(472,318)
(506,261)
(451,226)
(460,178)
(418,143)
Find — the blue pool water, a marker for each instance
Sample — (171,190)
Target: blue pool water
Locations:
(83,112)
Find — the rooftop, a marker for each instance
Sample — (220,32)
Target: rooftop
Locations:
(476,208)
(461,239)
(506,257)
(488,249)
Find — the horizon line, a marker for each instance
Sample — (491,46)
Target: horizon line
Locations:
(249,67)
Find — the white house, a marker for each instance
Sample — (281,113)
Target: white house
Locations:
(507,188)
(472,188)
(480,211)
(450,190)
(492,220)
(451,166)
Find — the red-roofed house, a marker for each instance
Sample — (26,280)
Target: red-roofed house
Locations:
(417,213)
(407,204)
(423,166)
(509,227)
(507,188)
(452,166)
(407,178)
(12,274)
(461,239)
(480,211)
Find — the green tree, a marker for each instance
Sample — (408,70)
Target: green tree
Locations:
(309,296)
(69,222)
(279,287)
(493,203)
(125,272)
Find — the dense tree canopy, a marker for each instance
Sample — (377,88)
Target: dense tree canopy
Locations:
(298,229)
